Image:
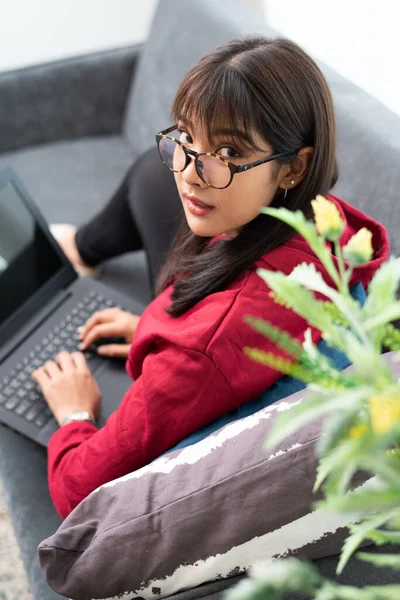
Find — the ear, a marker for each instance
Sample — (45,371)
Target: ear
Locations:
(295,172)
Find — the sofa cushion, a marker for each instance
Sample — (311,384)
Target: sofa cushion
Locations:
(70,181)
(198,514)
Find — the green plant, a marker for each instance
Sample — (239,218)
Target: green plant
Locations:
(361,405)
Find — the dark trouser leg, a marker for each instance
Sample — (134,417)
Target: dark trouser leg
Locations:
(143,213)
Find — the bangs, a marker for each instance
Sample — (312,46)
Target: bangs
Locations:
(217,103)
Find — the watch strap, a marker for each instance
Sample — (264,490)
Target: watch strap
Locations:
(81,415)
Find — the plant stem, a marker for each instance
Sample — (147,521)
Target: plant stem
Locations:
(344,287)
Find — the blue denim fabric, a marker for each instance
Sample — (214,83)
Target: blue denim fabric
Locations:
(285,386)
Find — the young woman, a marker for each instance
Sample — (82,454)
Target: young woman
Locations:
(254,127)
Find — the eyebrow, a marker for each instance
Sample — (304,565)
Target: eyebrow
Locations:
(234,133)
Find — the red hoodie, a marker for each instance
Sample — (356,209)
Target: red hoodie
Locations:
(189,370)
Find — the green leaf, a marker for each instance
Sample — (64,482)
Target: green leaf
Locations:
(272,579)
(390,313)
(385,536)
(290,573)
(383,287)
(381,560)
(361,532)
(363,501)
(303,301)
(297,220)
(313,407)
(341,463)
(368,363)
(391,337)
(281,338)
(335,431)
(307,275)
(288,367)
(383,592)
(247,589)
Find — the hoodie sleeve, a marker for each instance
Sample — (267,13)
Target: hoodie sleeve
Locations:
(163,406)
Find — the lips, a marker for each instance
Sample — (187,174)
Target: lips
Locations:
(197,201)
(197,207)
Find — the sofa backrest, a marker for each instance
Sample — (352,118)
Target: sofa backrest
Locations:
(368,132)
(182,32)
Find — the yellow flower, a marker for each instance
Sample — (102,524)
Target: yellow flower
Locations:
(357,431)
(358,249)
(384,411)
(328,221)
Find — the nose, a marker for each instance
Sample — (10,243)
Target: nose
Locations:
(190,174)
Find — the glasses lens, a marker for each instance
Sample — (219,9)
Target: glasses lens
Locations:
(172,154)
(214,171)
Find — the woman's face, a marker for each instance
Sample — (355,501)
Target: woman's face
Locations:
(211,212)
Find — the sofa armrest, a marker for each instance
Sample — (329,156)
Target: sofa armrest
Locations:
(66,99)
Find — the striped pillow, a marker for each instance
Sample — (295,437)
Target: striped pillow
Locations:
(198,514)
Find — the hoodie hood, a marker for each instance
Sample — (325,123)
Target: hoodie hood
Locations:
(296,250)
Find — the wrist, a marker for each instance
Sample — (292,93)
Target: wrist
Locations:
(76,416)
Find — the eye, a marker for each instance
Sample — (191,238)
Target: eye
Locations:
(229,152)
(184,137)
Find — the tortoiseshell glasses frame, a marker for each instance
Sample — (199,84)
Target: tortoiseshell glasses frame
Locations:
(232,167)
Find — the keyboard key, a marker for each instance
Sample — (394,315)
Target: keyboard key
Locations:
(33,412)
(2,398)
(41,420)
(22,407)
(21,393)
(11,403)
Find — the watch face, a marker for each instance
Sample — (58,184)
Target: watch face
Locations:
(81,415)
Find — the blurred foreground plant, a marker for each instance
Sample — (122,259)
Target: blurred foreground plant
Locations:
(362,405)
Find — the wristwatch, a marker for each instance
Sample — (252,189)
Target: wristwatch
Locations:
(81,415)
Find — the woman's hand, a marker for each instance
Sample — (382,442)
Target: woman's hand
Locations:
(68,386)
(111,322)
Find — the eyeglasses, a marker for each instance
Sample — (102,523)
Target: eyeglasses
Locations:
(215,170)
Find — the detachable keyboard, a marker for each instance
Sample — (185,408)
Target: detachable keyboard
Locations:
(18,391)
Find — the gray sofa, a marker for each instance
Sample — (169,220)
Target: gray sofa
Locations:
(71,129)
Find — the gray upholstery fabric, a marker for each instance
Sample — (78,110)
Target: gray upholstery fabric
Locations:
(369,154)
(71,180)
(81,96)
(23,475)
(182,32)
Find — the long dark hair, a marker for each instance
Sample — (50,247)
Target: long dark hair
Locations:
(272,86)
